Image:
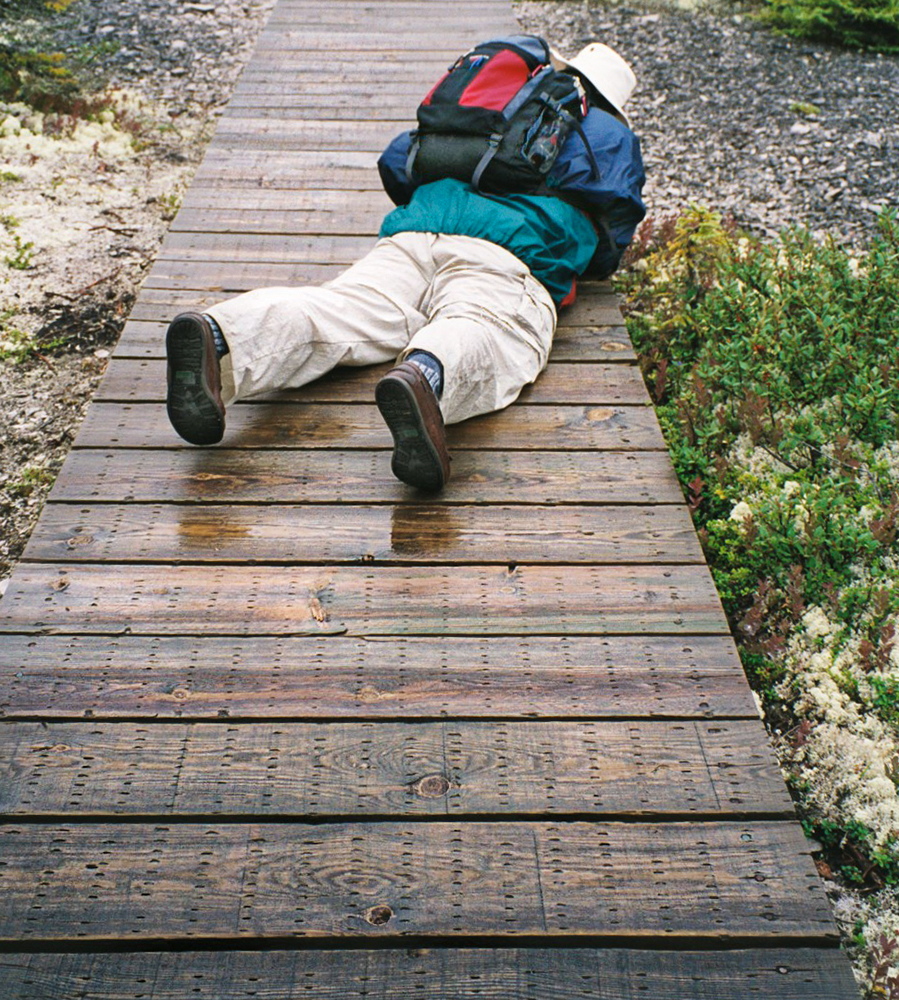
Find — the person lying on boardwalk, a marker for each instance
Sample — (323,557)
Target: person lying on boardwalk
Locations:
(522,176)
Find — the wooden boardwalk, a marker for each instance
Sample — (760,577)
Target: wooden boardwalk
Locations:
(276,726)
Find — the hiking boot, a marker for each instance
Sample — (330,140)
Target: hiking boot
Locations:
(411,412)
(194,400)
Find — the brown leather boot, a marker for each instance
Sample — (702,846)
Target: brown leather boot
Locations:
(194,400)
(411,412)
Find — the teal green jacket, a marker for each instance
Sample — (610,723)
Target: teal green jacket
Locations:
(554,239)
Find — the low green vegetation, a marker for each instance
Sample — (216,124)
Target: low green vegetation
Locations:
(774,370)
(20,257)
(805,109)
(32,478)
(872,24)
(62,86)
(39,79)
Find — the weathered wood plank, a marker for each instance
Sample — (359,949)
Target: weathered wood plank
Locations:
(383,768)
(249,170)
(462,974)
(56,676)
(212,281)
(383,600)
(251,247)
(393,64)
(349,221)
(325,425)
(594,300)
(132,882)
(239,276)
(158,303)
(212,475)
(380,534)
(284,46)
(131,381)
(276,200)
(335,100)
(146,337)
(242,129)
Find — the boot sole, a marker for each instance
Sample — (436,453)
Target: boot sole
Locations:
(415,459)
(190,403)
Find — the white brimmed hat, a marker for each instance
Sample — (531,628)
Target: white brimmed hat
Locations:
(606,71)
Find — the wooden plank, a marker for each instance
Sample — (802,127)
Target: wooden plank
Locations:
(248,247)
(335,222)
(290,46)
(383,600)
(463,974)
(407,23)
(215,475)
(146,338)
(306,169)
(242,129)
(232,278)
(394,118)
(389,101)
(57,676)
(265,200)
(596,312)
(325,425)
(585,343)
(323,108)
(424,533)
(592,294)
(200,279)
(393,64)
(131,381)
(131,882)
(383,768)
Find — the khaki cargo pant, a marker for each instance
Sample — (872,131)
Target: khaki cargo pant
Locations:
(470,303)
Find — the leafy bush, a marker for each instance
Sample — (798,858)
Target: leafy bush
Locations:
(870,24)
(774,364)
(42,80)
(774,369)
(38,79)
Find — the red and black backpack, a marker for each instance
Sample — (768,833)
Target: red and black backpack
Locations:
(498,118)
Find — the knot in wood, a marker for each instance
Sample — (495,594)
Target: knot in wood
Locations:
(432,786)
(378,915)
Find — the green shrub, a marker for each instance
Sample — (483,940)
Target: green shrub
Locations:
(773,367)
(39,79)
(870,24)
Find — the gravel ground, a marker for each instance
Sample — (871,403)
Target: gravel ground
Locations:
(719,110)
(94,207)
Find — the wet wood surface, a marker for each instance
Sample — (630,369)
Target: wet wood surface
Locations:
(311,534)
(390,879)
(132,380)
(335,425)
(374,600)
(381,768)
(514,973)
(118,677)
(226,475)
(491,743)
